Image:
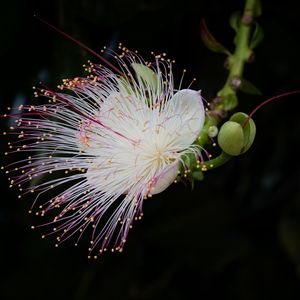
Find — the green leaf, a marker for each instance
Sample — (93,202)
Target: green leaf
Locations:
(146,75)
(124,86)
(231,101)
(198,175)
(235,20)
(257,9)
(249,88)
(257,36)
(210,42)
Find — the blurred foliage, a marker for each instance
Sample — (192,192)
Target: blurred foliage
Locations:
(237,235)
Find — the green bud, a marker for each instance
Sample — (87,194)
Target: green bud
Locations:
(231,138)
(237,135)
(212,131)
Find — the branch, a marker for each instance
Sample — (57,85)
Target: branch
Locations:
(226,99)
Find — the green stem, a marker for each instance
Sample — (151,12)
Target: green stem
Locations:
(197,173)
(203,137)
(238,59)
(227,99)
(216,162)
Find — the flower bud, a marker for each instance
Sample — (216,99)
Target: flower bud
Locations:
(212,131)
(237,135)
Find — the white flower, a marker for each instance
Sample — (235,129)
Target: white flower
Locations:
(112,142)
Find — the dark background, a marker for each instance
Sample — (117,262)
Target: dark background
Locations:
(237,235)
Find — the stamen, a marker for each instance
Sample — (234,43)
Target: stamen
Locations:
(268,101)
(80,44)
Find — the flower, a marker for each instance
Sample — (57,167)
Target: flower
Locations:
(110,141)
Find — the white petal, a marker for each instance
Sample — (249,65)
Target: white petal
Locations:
(186,116)
(166,178)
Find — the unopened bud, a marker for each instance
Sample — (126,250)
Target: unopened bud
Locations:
(212,131)
(237,135)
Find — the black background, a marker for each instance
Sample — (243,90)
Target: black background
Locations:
(237,235)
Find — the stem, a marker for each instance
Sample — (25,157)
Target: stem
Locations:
(240,56)
(226,97)
(216,162)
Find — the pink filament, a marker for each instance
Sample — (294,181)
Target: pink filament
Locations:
(83,46)
(268,101)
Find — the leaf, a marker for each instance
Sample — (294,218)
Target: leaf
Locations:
(209,41)
(257,36)
(235,20)
(249,88)
(124,86)
(257,9)
(146,75)
(198,175)
(231,101)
